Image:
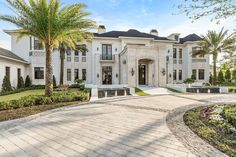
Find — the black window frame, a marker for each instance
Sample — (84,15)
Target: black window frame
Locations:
(174,53)
(175,75)
(180,53)
(107,52)
(8,72)
(194,74)
(76,74)
(180,75)
(38,73)
(68,75)
(84,73)
(201,71)
(37,44)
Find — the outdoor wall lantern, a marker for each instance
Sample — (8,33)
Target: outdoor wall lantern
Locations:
(163,72)
(132,72)
(169,75)
(116,49)
(97,75)
(117,75)
(97,48)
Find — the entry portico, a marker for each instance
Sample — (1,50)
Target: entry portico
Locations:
(146,65)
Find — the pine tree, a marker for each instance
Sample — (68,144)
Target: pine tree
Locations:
(28,82)
(6,85)
(221,77)
(20,83)
(228,75)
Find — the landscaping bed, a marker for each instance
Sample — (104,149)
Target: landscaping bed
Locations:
(216,125)
(33,104)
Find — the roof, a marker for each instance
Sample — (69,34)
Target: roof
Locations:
(190,37)
(11,55)
(129,33)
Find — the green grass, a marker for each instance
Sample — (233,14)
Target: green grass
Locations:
(139,92)
(17,96)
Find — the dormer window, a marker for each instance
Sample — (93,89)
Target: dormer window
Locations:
(176,37)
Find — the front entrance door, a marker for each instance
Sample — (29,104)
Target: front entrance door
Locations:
(107,75)
(142,74)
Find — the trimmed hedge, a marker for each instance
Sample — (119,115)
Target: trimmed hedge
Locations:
(232,90)
(43,100)
(22,90)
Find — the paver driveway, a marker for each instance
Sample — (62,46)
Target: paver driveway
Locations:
(132,126)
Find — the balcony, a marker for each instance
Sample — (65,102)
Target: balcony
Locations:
(199,60)
(107,58)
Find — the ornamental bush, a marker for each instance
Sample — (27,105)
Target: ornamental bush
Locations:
(234,75)
(20,83)
(6,85)
(28,82)
(189,80)
(28,101)
(228,75)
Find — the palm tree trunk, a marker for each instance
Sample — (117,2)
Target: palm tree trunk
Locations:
(62,57)
(214,70)
(49,70)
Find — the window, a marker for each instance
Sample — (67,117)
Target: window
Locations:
(68,53)
(84,56)
(174,53)
(68,74)
(30,42)
(38,73)
(76,56)
(180,74)
(201,74)
(194,50)
(174,74)
(194,74)
(76,74)
(18,73)
(180,53)
(106,52)
(176,38)
(7,72)
(37,44)
(84,74)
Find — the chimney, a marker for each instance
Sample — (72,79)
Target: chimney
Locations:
(101,29)
(154,32)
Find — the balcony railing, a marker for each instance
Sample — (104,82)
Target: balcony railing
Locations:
(197,60)
(107,58)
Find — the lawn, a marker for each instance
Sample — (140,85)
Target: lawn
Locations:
(139,92)
(17,96)
(216,125)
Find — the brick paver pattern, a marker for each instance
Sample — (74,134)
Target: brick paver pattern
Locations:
(124,127)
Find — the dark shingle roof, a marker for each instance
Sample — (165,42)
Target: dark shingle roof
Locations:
(129,33)
(190,37)
(9,54)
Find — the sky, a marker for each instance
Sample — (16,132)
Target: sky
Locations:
(142,15)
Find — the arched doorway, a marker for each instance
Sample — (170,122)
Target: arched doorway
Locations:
(145,72)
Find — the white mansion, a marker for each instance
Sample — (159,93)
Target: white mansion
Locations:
(130,58)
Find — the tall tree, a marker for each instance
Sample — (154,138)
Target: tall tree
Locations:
(215,43)
(216,9)
(51,23)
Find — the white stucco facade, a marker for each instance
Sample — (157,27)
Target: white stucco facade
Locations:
(115,60)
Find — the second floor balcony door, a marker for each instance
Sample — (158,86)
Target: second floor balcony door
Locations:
(106,52)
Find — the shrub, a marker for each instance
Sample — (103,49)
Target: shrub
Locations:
(221,77)
(189,80)
(43,100)
(54,81)
(20,83)
(6,85)
(28,82)
(228,75)
(234,75)
(211,79)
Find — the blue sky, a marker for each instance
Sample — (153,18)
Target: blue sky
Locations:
(143,15)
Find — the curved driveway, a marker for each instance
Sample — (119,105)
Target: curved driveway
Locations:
(122,127)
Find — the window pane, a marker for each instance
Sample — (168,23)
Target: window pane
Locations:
(180,53)
(83,59)
(76,74)
(180,74)
(194,74)
(174,75)
(106,52)
(39,73)
(174,53)
(84,74)
(201,74)
(7,72)
(68,74)
(37,44)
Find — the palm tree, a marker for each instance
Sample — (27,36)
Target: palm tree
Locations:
(62,49)
(51,24)
(214,43)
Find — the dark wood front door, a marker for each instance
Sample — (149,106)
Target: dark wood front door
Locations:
(142,74)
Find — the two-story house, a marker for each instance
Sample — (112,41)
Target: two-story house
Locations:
(125,58)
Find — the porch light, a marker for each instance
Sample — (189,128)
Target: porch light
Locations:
(163,72)
(117,75)
(132,72)
(97,75)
